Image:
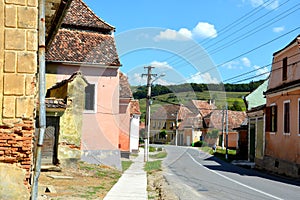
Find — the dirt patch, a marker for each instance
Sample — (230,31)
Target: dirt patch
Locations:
(158,187)
(87,182)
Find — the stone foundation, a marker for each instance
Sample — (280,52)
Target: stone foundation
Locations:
(278,166)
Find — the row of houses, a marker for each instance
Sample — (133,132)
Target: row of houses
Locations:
(90,112)
(267,134)
(196,121)
(273,112)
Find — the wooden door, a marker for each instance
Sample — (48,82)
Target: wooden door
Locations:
(50,145)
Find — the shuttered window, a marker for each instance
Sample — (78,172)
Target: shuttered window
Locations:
(286,117)
(284,69)
(90,97)
(271,119)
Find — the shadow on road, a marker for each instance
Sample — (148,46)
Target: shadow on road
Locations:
(228,167)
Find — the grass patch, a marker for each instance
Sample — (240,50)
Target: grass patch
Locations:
(220,153)
(159,155)
(152,166)
(152,149)
(126,165)
(207,150)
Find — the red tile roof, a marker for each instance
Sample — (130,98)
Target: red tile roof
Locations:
(82,39)
(235,119)
(125,91)
(80,15)
(170,111)
(55,103)
(135,107)
(202,107)
(166,112)
(191,121)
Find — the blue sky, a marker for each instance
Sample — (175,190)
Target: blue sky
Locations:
(202,41)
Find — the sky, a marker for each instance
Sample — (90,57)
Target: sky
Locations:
(200,41)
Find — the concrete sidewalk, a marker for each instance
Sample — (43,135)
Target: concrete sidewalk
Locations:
(133,182)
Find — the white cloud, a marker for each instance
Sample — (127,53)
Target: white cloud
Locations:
(278,29)
(158,64)
(231,64)
(203,78)
(265,3)
(205,30)
(137,79)
(238,64)
(246,62)
(263,71)
(162,81)
(185,32)
(182,35)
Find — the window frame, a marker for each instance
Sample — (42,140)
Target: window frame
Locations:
(95,99)
(286,124)
(299,117)
(284,68)
(271,125)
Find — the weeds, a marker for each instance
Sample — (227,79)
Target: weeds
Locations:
(126,165)
(159,155)
(152,166)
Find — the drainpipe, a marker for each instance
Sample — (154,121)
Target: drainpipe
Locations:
(42,108)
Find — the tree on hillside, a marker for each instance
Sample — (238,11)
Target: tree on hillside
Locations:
(235,106)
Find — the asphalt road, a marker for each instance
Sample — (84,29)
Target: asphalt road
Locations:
(193,174)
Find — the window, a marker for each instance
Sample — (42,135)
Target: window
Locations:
(286,117)
(299,117)
(284,69)
(90,97)
(271,118)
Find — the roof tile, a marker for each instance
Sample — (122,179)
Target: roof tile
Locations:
(83,47)
(80,15)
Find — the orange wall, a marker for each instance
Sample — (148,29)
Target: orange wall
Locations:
(293,70)
(124,121)
(278,145)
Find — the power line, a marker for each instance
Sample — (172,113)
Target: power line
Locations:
(240,75)
(248,34)
(245,53)
(253,31)
(224,29)
(265,73)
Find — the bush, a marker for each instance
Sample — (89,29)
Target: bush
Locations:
(200,144)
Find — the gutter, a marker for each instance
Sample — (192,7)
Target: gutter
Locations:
(42,107)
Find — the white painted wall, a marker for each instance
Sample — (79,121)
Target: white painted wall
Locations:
(134,132)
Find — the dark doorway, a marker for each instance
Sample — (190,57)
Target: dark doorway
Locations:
(252,139)
(50,144)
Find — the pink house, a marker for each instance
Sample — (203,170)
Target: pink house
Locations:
(85,43)
(282,146)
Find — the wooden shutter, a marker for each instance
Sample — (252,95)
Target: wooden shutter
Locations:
(268,119)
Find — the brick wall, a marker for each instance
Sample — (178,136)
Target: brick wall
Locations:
(18,67)
(16,145)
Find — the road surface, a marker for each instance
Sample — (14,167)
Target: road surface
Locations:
(193,174)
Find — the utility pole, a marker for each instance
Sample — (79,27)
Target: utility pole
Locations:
(226,156)
(146,139)
(176,126)
(223,136)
